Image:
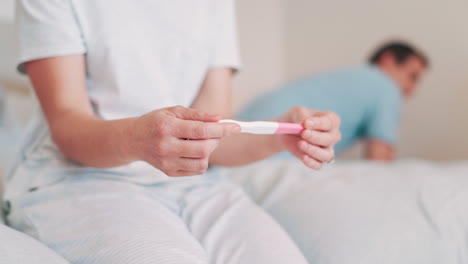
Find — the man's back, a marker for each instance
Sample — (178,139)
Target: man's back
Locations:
(365,98)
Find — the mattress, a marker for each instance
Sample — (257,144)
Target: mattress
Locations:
(410,211)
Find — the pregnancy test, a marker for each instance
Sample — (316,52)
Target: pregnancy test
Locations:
(266,127)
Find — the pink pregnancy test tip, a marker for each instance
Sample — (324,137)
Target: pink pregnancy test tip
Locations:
(289,128)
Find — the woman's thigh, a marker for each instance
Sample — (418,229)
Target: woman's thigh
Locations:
(99,221)
(234,230)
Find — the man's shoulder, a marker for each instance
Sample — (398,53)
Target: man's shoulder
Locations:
(355,69)
(342,73)
(354,75)
(373,79)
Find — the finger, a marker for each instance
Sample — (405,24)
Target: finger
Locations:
(196,148)
(195,115)
(291,140)
(311,162)
(322,139)
(318,153)
(325,121)
(204,130)
(189,164)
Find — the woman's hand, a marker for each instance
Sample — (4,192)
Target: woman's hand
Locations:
(315,144)
(178,140)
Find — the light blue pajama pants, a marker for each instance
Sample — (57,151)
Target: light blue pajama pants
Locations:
(91,219)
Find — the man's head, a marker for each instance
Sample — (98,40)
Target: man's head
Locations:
(403,63)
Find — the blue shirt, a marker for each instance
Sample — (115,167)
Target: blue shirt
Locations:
(365,98)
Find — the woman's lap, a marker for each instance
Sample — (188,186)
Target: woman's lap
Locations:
(92,220)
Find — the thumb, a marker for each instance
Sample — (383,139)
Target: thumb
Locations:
(194,115)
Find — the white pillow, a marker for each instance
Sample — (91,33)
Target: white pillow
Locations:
(407,213)
(16,247)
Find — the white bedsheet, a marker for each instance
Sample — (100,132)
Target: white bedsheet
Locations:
(362,213)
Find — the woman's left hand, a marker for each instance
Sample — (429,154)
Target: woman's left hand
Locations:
(314,146)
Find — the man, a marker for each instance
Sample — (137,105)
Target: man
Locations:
(367,97)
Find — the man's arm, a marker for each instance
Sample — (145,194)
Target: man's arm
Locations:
(380,151)
(382,123)
(313,147)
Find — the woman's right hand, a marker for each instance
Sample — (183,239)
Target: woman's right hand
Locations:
(177,140)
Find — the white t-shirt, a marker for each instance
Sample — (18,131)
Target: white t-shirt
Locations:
(140,56)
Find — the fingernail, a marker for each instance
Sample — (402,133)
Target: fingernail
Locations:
(236,129)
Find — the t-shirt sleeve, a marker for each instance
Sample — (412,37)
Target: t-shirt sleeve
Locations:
(226,43)
(384,117)
(47,29)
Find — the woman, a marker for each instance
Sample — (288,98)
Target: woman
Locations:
(131,93)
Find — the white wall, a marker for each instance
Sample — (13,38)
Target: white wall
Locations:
(322,35)
(261,33)
(6,10)
(8,49)
(8,43)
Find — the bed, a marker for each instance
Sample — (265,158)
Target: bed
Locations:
(355,212)
(411,211)
(358,212)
